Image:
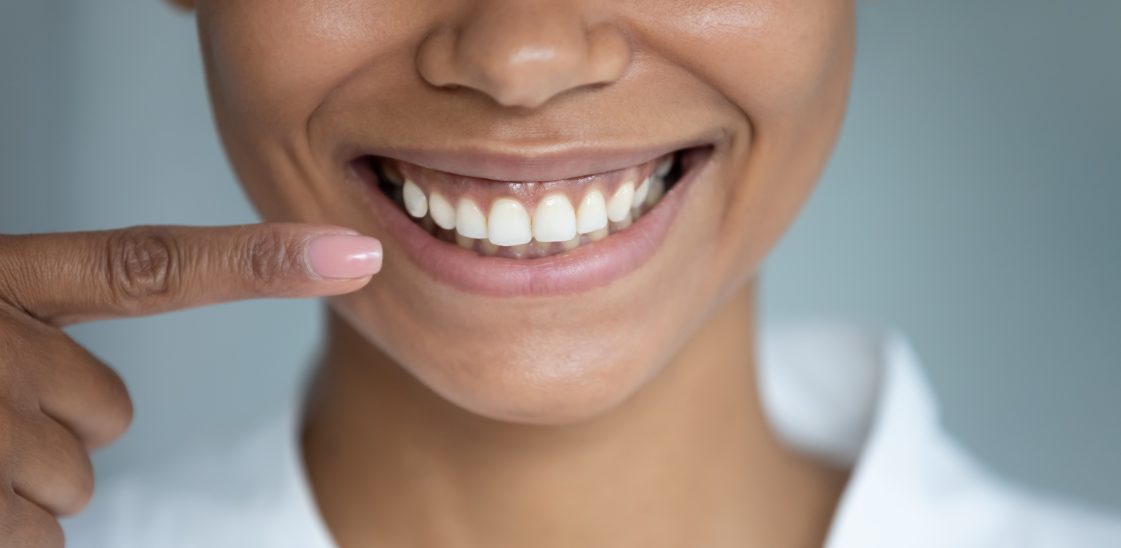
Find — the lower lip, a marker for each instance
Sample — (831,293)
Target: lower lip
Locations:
(585,268)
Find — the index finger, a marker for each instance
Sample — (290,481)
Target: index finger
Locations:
(63,278)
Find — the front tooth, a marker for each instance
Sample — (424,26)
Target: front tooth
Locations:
(416,203)
(508,223)
(663,168)
(469,219)
(620,204)
(554,220)
(641,192)
(593,213)
(442,211)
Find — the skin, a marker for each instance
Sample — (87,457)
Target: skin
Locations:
(359,73)
(624,416)
(568,370)
(57,401)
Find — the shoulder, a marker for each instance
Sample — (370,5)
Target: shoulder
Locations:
(243,493)
(859,397)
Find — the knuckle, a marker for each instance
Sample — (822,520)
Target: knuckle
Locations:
(118,416)
(80,486)
(51,535)
(114,412)
(268,261)
(60,466)
(142,263)
(23,525)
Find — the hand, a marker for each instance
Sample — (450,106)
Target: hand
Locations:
(57,401)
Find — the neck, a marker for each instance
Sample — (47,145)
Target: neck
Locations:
(687,461)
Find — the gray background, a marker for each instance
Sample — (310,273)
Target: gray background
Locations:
(973,202)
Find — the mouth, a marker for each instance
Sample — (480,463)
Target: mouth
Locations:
(530,236)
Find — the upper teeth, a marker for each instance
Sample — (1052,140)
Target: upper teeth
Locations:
(554,219)
(593,213)
(443,213)
(415,202)
(619,206)
(469,219)
(508,223)
(641,192)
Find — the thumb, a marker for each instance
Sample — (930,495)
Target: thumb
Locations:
(63,278)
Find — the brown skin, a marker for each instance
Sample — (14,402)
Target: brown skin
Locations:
(292,106)
(609,418)
(687,461)
(57,401)
(624,416)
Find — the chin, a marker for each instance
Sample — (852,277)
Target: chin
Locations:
(509,370)
(528,390)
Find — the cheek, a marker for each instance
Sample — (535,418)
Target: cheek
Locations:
(269,64)
(271,61)
(771,58)
(789,79)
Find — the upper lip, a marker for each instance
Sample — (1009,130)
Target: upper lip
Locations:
(534,163)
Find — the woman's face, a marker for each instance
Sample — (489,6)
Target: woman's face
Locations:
(524,280)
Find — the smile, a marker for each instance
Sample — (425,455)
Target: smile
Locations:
(526,220)
(506,238)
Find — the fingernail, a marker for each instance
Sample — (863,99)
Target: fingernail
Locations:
(344,256)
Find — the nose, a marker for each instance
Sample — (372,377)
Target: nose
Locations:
(522,53)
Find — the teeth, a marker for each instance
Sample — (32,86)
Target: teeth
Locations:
(518,251)
(641,192)
(442,211)
(657,190)
(539,247)
(391,173)
(487,248)
(508,230)
(620,205)
(593,213)
(571,244)
(469,219)
(554,220)
(508,223)
(416,203)
(464,241)
(623,223)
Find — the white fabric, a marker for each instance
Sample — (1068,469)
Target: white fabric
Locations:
(846,395)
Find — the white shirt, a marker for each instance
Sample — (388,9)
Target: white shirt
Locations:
(845,395)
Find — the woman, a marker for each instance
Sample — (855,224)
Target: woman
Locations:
(574,199)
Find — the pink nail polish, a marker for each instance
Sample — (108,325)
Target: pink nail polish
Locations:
(344,256)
